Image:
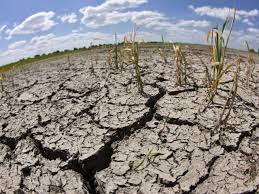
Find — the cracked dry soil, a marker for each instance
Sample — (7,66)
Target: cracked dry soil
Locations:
(73,129)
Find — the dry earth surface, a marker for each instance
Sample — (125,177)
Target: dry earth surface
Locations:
(71,128)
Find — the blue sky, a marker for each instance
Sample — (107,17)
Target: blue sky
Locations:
(30,27)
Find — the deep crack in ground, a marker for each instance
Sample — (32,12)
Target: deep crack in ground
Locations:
(74,130)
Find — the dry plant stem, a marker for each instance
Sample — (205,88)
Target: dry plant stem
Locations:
(233,93)
(178,70)
(68,59)
(231,99)
(135,57)
(178,65)
(162,50)
(164,125)
(116,52)
(110,57)
(215,83)
(1,81)
(208,76)
(185,68)
(96,60)
(181,66)
(250,65)
(130,55)
(218,56)
(230,31)
(137,68)
(2,86)
(92,66)
(146,158)
(120,58)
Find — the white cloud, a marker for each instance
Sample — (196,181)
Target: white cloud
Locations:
(42,40)
(70,18)
(109,6)
(77,30)
(253,30)
(148,19)
(113,12)
(191,7)
(213,12)
(223,12)
(41,21)
(108,12)
(17,44)
(248,22)
(254,12)
(105,19)
(193,23)
(238,38)
(158,21)
(251,35)
(2,28)
(49,43)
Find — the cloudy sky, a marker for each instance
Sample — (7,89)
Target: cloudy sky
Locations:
(30,27)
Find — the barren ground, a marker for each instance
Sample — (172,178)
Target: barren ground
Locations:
(68,128)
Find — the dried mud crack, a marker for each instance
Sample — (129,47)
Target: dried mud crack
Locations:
(74,129)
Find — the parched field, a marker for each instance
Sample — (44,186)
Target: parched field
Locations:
(80,126)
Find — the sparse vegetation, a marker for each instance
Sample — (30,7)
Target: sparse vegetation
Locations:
(250,65)
(131,56)
(207,80)
(91,66)
(109,58)
(228,107)
(2,78)
(162,50)
(218,52)
(181,66)
(68,60)
(146,158)
(135,58)
(116,52)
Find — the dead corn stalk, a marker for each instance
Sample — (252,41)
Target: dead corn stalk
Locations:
(228,107)
(218,52)
(181,66)
(250,66)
